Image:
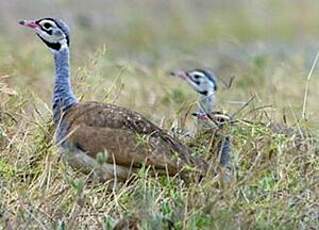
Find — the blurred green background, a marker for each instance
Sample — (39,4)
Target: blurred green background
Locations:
(269,46)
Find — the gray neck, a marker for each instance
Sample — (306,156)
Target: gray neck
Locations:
(206,104)
(63,97)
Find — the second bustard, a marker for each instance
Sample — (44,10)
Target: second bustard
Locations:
(205,84)
(83,130)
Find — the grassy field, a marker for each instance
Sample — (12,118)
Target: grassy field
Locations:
(121,53)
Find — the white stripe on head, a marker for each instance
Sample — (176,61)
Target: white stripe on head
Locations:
(202,82)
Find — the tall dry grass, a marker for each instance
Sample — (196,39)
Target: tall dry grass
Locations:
(121,53)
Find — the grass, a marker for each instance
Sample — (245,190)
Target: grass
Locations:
(275,182)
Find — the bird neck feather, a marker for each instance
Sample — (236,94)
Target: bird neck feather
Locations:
(206,103)
(63,97)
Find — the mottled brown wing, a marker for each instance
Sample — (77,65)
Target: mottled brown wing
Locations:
(107,115)
(126,148)
(126,135)
(115,117)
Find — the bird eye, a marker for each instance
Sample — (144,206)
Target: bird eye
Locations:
(196,76)
(47,25)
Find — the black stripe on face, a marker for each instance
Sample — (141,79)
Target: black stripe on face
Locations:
(57,25)
(64,32)
(196,82)
(48,31)
(54,46)
(205,92)
(67,40)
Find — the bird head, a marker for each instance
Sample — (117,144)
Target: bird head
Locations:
(202,81)
(53,32)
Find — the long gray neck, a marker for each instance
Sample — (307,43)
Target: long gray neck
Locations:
(63,97)
(206,106)
(206,103)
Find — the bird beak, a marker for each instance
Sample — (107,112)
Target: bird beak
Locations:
(180,73)
(29,23)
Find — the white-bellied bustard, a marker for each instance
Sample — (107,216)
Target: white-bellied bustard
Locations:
(83,130)
(209,122)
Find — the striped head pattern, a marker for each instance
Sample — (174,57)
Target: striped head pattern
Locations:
(53,32)
(202,81)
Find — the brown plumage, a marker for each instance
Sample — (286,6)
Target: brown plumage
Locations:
(128,137)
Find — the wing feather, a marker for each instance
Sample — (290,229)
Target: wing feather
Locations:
(127,136)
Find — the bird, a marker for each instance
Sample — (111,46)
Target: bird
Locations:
(208,119)
(106,139)
(205,84)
